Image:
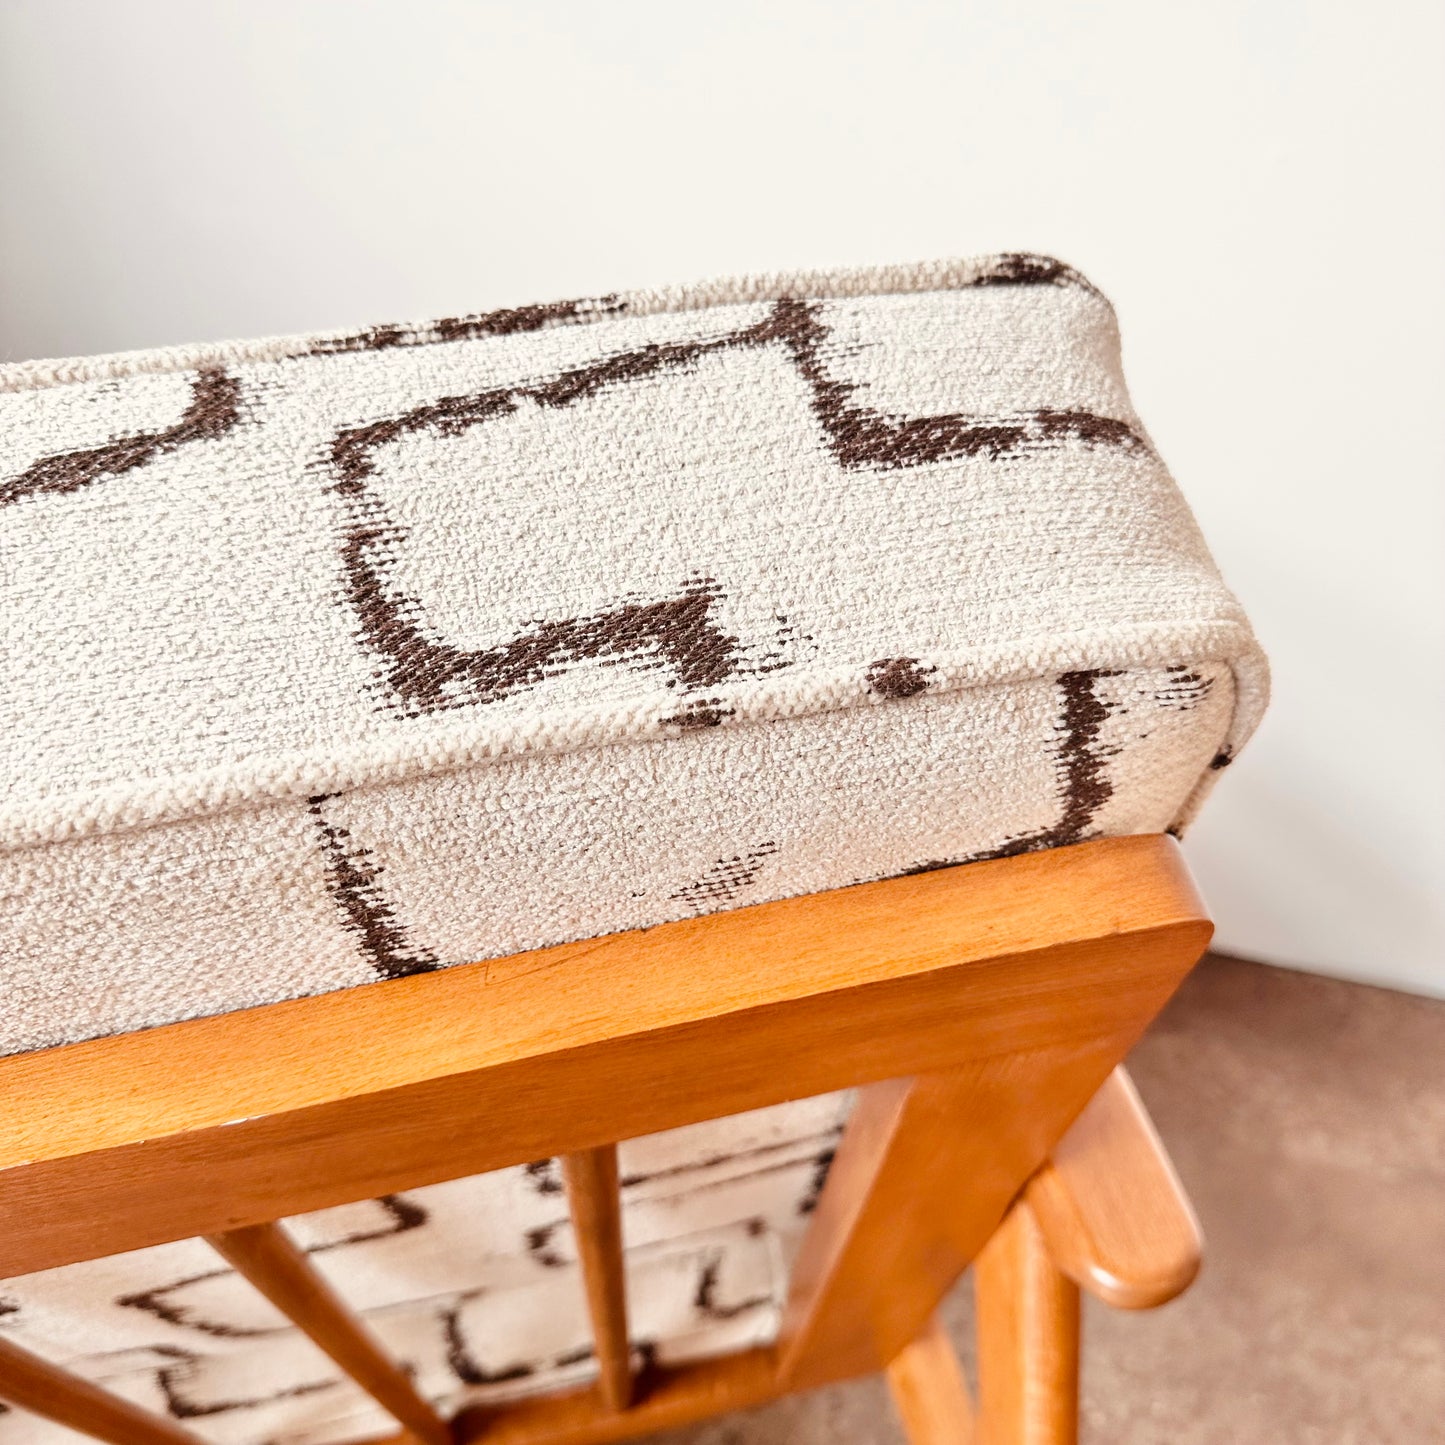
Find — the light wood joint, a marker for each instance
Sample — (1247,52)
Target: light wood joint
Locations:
(1111,1209)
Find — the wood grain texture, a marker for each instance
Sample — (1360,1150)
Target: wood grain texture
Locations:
(215,1124)
(671,1399)
(929,1392)
(922,1178)
(266,1255)
(596,1205)
(34,1384)
(1112,1211)
(1027,1322)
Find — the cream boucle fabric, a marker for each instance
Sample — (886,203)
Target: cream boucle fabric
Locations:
(336,659)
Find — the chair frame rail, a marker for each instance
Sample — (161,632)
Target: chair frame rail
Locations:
(978,1009)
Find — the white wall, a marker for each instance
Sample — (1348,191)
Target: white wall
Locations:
(1260,186)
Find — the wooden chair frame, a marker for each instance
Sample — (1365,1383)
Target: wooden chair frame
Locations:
(979,1009)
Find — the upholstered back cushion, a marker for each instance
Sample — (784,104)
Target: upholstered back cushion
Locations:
(474,1284)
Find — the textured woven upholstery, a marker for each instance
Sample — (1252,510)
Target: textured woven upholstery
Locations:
(474,1284)
(336,659)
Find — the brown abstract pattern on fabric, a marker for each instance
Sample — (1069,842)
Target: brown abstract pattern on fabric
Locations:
(348,657)
(215,408)
(426,674)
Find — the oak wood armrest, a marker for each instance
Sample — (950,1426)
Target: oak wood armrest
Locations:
(1111,1209)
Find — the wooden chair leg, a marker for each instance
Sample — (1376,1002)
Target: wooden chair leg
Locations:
(926,1167)
(929,1391)
(1027,1319)
(1106,1213)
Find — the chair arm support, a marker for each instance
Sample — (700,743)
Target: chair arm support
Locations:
(1111,1209)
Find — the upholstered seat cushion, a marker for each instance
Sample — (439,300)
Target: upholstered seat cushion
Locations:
(340,658)
(335,659)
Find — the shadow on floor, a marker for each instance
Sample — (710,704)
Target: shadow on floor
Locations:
(1307,1119)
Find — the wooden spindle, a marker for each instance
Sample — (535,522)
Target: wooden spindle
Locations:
(929,1391)
(266,1255)
(596,1204)
(34,1384)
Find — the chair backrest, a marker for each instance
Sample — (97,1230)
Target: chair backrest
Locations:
(977,1007)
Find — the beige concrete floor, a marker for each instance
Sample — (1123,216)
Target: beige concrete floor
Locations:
(1307,1119)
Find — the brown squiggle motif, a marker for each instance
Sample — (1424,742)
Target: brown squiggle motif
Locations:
(765,1171)
(508,322)
(714,1161)
(725,880)
(404,1214)
(1026,268)
(154,1302)
(464,1364)
(541,1240)
(822,1167)
(1184,690)
(1014,268)
(705,712)
(1086,780)
(898,677)
(215,408)
(541,1247)
(173,1381)
(573,1357)
(425,674)
(1084,784)
(352,879)
(431,675)
(704,1299)
(470,1371)
(862,437)
(545,1176)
